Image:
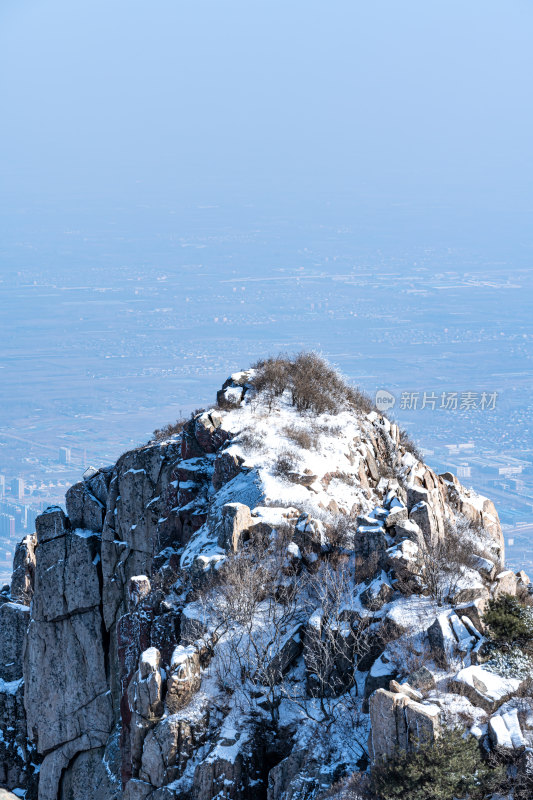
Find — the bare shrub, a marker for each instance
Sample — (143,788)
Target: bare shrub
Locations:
(354,787)
(250,440)
(303,438)
(334,641)
(314,385)
(272,377)
(285,464)
(160,434)
(407,443)
(442,563)
(253,607)
(341,531)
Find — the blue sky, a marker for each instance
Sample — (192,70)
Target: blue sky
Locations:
(414,101)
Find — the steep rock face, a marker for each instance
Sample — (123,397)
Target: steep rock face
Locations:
(67,698)
(125,663)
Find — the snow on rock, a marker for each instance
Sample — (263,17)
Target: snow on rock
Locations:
(120,625)
(484,688)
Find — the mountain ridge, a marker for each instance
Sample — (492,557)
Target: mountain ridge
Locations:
(278,566)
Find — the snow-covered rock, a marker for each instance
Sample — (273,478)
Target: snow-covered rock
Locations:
(124,658)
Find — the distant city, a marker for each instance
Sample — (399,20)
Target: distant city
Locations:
(122,332)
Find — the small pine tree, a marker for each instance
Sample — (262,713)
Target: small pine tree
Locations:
(447,768)
(508,620)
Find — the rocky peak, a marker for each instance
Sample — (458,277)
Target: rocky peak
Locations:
(282,564)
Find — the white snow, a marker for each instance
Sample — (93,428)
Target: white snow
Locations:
(496,687)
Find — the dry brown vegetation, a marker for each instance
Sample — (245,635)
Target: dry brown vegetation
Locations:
(314,386)
(303,438)
(285,464)
(160,434)
(408,444)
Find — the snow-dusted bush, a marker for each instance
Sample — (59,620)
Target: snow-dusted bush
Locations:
(408,444)
(509,621)
(513,663)
(450,767)
(313,385)
(285,464)
(303,437)
(442,563)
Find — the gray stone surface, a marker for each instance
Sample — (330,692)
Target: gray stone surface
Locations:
(51,524)
(169,745)
(87,778)
(84,510)
(23,570)
(14,619)
(184,678)
(145,699)
(235,524)
(67,699)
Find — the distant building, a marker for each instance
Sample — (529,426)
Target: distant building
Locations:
(64,455)
(7,526)
(464,471)
(2,485)
(17,488)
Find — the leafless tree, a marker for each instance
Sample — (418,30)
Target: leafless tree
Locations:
(441,563)
(255,608)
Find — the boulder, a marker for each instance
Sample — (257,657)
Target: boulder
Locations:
(84,510)
(424,515)
(145,700)
(416,495)
(505,731)
(208,431)
(422,680)
(371,542)
(169,745)
(388,724)
(523,578)
(403,558)
(441,639)
(235,524)
(232,770)
(377,593)
(288,651)
(485,567)
(399,723)
(380,675)
(184,679)
(404,688)
(423,722)
(397,516)
(23,570)
(483,688)
(51,524)
(227,466)
(465,640)
(506,583)
(474,611)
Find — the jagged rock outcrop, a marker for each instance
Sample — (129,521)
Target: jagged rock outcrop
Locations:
(159,659)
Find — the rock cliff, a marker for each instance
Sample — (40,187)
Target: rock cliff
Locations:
(252,606)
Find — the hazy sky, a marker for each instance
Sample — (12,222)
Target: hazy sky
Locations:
(428,101)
